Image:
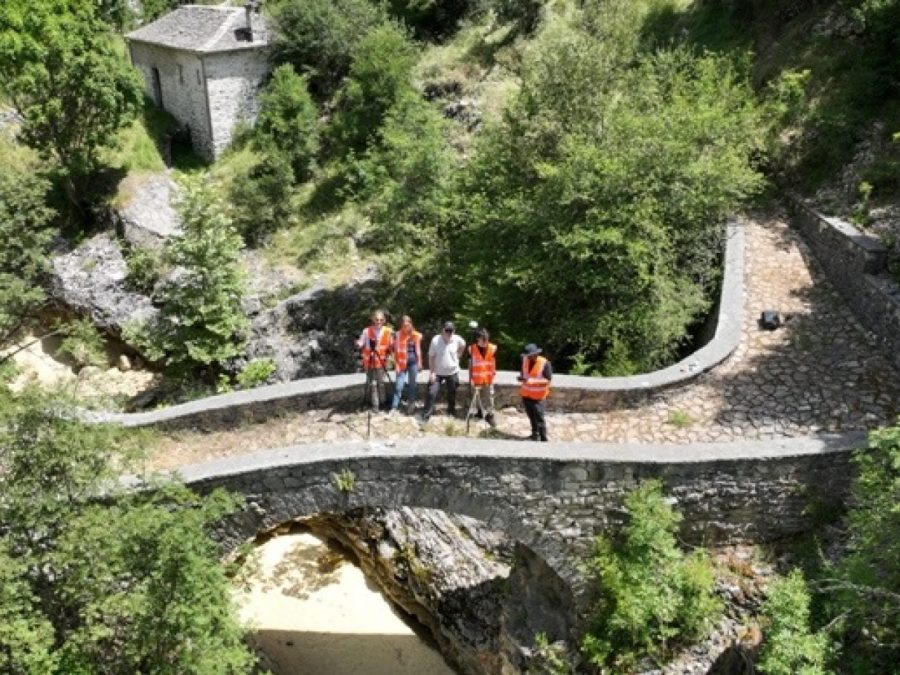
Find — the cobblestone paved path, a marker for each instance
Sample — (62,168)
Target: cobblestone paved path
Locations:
(820,372)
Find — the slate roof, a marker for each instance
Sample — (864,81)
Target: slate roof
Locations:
(203,28)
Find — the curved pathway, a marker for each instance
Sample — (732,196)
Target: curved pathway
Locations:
(821,372)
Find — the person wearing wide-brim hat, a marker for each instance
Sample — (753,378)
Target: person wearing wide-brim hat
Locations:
(535,388)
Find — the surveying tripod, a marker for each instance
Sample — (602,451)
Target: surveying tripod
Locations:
(475,404)
(379,361)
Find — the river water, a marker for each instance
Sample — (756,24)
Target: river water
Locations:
(313,612)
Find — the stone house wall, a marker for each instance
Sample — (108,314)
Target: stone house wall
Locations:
(233,81)
(182,87)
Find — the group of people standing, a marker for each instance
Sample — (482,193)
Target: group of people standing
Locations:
(380,346)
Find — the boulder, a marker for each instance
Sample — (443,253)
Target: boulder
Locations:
(312,333)
(147,217)
(90,281)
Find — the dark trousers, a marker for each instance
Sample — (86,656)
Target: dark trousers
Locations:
(535,411)
(452,382)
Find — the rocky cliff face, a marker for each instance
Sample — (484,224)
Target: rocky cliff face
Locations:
(447,571)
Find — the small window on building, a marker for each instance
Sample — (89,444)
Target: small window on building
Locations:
(180,74)
(198,76)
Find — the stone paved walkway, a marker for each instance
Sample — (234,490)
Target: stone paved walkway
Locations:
(820,372)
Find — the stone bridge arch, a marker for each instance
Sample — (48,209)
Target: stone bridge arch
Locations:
(552,499)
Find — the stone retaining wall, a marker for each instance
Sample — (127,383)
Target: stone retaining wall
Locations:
(856,264)
(570,392)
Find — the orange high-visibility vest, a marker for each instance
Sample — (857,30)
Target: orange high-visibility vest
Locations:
(401,349)
(482,368)
(534,386)
(382,347)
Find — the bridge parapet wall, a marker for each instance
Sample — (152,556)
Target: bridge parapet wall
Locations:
(571,393)
(856,265)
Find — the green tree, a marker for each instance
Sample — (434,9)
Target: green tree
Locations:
(260,197)
(25,232)
(288,121)
(316,36)
(404,177)
(380,77)
(60,68)
(96,579)
(201,323)
(862,592)
(790,648)
(652,596)
(606,187)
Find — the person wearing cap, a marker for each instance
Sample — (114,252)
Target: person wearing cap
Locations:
(482,371)
(443,361)
(375,343)
(535,387)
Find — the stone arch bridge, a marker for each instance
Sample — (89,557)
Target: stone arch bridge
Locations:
(552,499)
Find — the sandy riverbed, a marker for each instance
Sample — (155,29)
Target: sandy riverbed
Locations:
(315,613)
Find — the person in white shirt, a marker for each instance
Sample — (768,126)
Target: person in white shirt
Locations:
(443,361)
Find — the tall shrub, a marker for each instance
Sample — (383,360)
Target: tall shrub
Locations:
(201,323)
(652,596)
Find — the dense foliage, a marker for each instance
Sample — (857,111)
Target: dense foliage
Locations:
(862,592)
(288,122)
(380,77)
(652,596)
(201,322)
(317,36)
(790,648)
(97,580)
(60,69)
(607,202)
(25,233)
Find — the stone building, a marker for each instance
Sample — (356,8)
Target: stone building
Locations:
(204,65)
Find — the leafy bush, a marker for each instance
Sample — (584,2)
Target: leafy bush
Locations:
(316,36)
(61,71)
(145,267)
(789,647)
(24,254)
(288,121)
(260,197)
(201,322)
(652,596)
(83,344)
(862,592)
(255,373)
(380,77)
(404,177)
(93,579)
(432,19)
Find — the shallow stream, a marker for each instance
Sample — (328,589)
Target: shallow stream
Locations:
(315,613)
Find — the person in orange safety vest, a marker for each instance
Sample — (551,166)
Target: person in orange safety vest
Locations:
(407,350)
(375,343)
(482,370)
(535,387)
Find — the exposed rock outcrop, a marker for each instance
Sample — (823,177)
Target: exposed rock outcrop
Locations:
(311,333)
(90,281)
(446,570)
(148,216)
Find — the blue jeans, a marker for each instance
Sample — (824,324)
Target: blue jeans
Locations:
(406,379)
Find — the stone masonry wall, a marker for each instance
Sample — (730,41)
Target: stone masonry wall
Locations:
(551,498)
(183,93)
(233,80)
(856,265)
